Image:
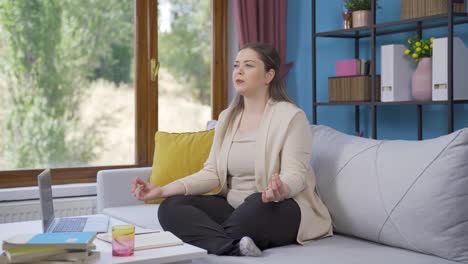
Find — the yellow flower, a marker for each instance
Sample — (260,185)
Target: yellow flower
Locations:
(418,44)
(407,51)
(418,49)
(409,41)
(415,55)
(431,46)
(432,39)
(426,47)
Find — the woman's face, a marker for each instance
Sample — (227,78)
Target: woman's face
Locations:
(249,74)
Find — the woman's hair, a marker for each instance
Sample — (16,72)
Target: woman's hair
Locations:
(269,56)
(276,89)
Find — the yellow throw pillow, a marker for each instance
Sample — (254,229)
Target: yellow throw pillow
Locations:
(177,155)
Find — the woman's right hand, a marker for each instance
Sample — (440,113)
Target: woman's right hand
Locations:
(144,191)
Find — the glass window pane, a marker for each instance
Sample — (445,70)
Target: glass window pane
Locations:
(184,50)
(66,83)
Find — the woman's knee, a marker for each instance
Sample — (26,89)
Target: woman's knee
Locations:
(169,206)
(254,197)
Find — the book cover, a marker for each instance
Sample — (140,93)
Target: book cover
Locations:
(63,238)
(149,240)
(75,240)
(71,256)
(21,255)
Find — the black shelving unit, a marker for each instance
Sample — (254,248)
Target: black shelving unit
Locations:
(372,32)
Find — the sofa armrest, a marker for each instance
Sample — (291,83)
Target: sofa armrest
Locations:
(114,187)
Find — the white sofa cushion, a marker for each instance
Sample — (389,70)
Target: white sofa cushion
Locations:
(333,250)
(409,194)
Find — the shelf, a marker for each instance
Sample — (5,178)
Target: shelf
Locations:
(401,26)
(342,103)
(360,32)
(389,103)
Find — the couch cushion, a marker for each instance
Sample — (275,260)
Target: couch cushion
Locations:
(177,155)
(332,250)
(145,215)
(409,194)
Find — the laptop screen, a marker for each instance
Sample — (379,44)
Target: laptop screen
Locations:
(45,195)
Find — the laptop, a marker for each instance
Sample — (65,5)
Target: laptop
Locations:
(52,224)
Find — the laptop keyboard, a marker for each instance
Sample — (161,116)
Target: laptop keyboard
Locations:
(70,225)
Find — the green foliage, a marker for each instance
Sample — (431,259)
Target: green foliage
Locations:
(101,37)
(419,48)
(116,67)
(186,50)
(357,5)
(52,44)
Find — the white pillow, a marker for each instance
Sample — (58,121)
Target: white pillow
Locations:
(408,194)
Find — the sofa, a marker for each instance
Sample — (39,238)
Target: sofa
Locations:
(391,201)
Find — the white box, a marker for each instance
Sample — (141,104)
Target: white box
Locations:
(396,71)
(439,70)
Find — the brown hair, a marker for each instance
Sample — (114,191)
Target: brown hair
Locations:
(269,56)
(276,89)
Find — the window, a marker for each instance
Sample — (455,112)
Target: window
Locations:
(76,87)
(67,84)
(184,51)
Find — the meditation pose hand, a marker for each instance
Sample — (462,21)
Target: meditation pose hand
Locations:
(276,191)
(144,191)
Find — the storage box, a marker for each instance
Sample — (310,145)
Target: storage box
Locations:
(396,71)
(352,88)
(420,8)
(440,73)
(348,67)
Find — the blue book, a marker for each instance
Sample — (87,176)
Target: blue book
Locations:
(72,240)
(63,238)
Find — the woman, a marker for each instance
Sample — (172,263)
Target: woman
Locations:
(260,159)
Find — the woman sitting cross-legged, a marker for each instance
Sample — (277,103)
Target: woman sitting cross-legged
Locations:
(259,160)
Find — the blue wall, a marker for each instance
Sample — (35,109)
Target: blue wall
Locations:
(393,122)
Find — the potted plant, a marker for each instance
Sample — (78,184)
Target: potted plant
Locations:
(360,11)
(420,51)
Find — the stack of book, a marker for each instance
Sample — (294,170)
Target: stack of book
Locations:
(50,248)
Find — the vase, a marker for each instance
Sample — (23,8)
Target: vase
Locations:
(421,81)
(361,18)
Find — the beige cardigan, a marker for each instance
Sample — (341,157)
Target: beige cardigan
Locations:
(283,145)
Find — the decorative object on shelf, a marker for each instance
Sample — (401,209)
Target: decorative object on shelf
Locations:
(361,12)
(439,70)
(352,88)
(420,8)
(421,82)
(352,67)
(346,14)
(347,67)
(397,70)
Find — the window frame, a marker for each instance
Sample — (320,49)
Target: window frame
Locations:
(146,96)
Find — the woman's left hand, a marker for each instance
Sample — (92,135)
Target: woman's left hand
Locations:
(276,191)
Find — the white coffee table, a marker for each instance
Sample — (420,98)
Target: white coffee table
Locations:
(176,254)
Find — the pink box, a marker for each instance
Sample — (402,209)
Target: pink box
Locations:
(347,67)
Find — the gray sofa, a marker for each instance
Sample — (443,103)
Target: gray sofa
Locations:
(391,201)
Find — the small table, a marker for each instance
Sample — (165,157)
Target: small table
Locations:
(175,254)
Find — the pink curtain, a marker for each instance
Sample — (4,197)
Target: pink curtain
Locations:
(263,21)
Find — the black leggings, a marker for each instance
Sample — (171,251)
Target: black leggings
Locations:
(209,222)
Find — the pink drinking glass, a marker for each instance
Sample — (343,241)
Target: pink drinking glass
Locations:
(123,240)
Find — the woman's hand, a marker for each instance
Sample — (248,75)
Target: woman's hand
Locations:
(276,191)
(144,191)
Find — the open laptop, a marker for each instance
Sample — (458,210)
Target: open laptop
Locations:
(51,224)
